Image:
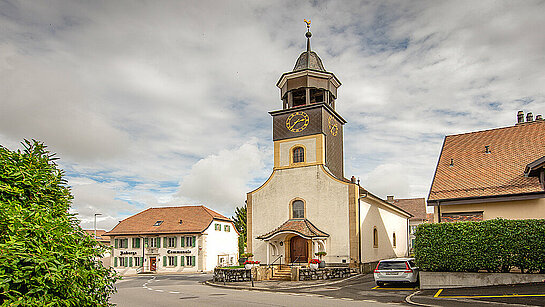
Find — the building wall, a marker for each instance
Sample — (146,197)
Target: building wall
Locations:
(220,243)
(159,253)
(326,202)
(521,209)
(387,222)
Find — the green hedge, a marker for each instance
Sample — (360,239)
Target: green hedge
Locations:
(495,246)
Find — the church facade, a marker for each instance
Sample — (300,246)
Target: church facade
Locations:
(307,205)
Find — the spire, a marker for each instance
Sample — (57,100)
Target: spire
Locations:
(308,59)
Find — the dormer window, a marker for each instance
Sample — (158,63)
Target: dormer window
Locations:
(158,223)
(298,155)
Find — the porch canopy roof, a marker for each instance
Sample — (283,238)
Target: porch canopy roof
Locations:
(302,227)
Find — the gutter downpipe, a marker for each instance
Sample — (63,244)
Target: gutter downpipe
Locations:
(438,211)
(359,226)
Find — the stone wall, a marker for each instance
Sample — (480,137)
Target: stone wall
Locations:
(325,273)
(229,275)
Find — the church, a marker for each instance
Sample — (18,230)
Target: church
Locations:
(307,206)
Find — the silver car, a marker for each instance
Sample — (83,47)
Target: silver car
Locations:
(396,270)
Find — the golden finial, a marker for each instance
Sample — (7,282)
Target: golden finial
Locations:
(308,23)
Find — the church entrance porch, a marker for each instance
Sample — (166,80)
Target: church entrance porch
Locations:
(295,241)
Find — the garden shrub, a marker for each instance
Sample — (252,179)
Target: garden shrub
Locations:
(45,257)
(495,246)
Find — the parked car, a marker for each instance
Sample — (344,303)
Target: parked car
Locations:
(396,270)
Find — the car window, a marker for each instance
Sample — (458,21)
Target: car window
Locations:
(412,264)
(392,265)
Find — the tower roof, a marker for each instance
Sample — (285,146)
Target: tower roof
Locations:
(309,60)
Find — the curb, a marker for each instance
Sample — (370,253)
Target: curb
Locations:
(208,283)
(409,301)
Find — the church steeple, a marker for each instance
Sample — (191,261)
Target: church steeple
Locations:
(308,121)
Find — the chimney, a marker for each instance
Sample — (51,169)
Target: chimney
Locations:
(539,117)
(520,117)
(529,117)
(487,149)
(390,198)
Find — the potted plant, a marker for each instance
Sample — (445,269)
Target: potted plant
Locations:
(244,257)
(313,263)
(320,256)
(248,264)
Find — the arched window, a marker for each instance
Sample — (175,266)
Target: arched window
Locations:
(298,209)
(375,237)
(298,155)
(394,240)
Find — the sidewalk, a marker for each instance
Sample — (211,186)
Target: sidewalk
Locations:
(269,285)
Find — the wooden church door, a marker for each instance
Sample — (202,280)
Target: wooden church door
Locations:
(298,249)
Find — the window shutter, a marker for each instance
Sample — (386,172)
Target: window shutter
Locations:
(142,261)
(193,260)
(164,260)
(130,261)
(146,242)
(159,242)
(165,241)
(182,259)
(115,260)
(193,241)
(175,260)
(183,241)
(137,242)
(175,241)
(115,245)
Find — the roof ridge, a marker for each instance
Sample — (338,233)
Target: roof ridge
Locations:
(499,128)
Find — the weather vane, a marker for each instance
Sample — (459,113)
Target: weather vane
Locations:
(308,23)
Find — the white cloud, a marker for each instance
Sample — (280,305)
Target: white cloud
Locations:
(220,181)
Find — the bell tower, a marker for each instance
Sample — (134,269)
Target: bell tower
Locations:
(308,130)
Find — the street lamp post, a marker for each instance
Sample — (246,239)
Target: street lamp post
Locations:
(96,224)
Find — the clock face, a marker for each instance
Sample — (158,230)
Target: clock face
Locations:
(297,121)
(332,125)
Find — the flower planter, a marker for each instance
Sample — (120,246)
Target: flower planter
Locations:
(321,265)
(248,266)
(313,266)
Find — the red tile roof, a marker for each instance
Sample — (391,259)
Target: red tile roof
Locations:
(100,234)
(415,206)
(195,219)
(475,173)
(303,227)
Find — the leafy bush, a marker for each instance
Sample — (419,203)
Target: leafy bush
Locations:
(45,257)
(495,246)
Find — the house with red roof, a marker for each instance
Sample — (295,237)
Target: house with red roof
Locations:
(496,173)
(173,239)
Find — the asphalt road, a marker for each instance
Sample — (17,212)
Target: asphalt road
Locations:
(188,290)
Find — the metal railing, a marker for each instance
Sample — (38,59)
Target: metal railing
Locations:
(295,261)
(271,266)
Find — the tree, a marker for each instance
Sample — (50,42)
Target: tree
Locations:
(45,257)
(240,224)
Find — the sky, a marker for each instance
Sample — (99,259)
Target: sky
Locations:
(165,103)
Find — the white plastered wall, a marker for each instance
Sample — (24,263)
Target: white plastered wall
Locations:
(387,222)
(220,242)
(326,207)
(159,254)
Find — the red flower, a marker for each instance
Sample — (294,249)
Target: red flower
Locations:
(315,261)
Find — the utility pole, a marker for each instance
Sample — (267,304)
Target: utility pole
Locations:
(96,224)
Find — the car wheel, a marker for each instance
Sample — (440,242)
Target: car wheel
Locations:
(380,283)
